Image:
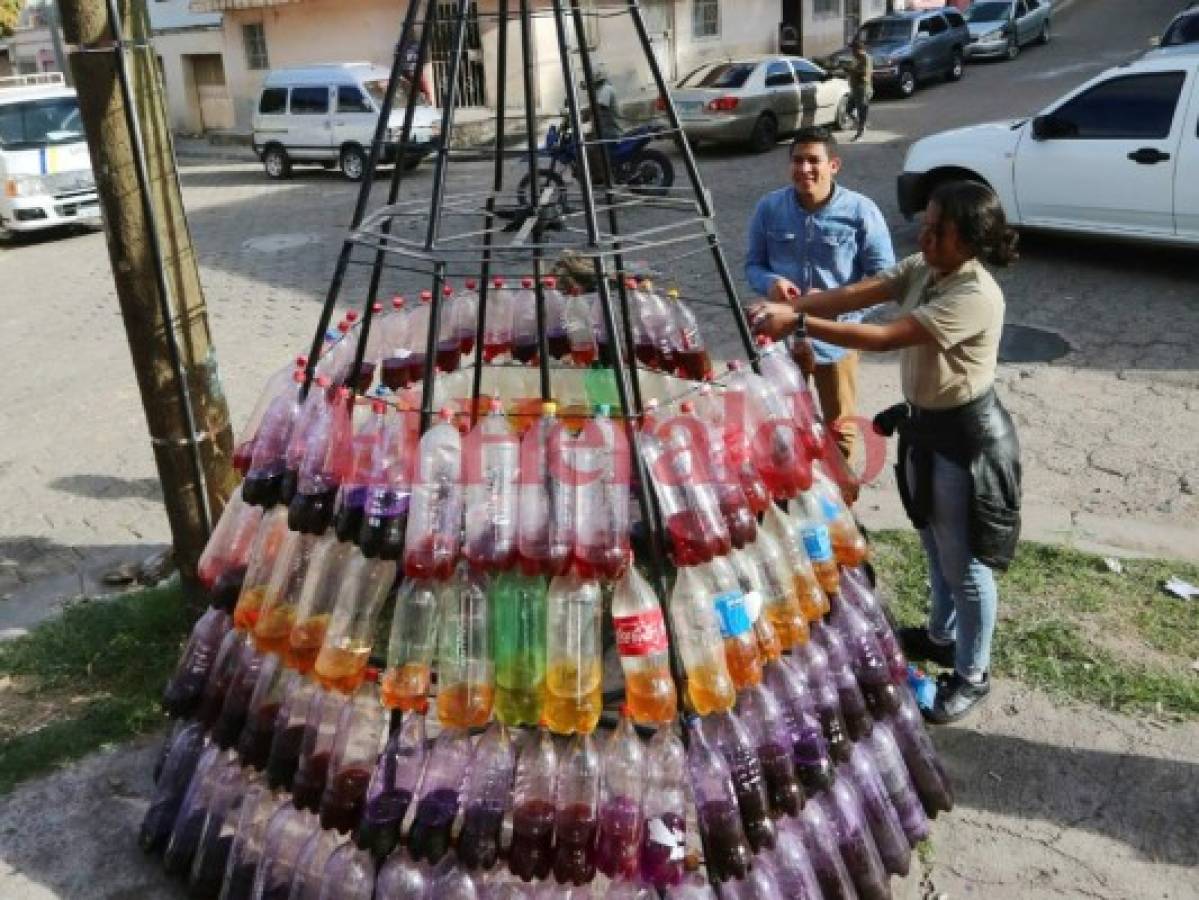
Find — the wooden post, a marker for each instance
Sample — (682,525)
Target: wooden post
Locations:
(135,271)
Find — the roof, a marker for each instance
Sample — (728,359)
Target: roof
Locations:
(346,72)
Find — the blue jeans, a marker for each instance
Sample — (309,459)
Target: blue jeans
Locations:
(964,597)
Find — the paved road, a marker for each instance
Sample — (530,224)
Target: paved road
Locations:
(1109,430)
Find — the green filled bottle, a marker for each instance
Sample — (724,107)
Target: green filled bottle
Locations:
(518,604)
(600,383)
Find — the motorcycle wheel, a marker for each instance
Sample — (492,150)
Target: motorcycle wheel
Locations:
(650,172)
(544,177)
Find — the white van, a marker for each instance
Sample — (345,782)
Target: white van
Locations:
(46,178)
(327,114)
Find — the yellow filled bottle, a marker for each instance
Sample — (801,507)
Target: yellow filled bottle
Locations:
(697,633)
(574,696)
(341,662)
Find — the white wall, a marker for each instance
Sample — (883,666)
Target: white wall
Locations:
(182,101)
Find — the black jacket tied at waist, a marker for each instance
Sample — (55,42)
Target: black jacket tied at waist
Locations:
(980,436)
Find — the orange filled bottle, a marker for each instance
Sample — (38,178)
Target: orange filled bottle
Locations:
(277,613)
(641,641)
(811,596)
(809,522)
(268,541)
(413,642)
(318,594)
(341,663)
(465,668)
(741,651)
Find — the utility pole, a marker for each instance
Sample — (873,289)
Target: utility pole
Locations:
(157,279)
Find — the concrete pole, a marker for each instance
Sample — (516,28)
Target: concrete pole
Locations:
(186,462)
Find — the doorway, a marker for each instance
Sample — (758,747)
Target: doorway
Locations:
(208,75)
(659,25)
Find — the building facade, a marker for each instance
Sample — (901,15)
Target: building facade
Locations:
(191,52)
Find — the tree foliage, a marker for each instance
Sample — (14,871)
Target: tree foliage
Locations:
(9,11)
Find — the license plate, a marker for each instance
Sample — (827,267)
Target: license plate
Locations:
(690,108)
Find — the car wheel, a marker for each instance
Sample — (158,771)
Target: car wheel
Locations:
(843,120)
(907,81)
(1013,48)
(276,162)
(352,162)
(1045,35)
(956,67)
(765,134)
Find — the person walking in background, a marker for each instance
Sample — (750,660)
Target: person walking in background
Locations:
(959,455)
(861,84)
(814,235)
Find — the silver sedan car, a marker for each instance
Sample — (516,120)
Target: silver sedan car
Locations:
(999,28)
(754,100)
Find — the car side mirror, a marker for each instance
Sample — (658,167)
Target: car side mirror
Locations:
(1049,127)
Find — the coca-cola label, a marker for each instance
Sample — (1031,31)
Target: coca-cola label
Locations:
(641,634)
(734,618)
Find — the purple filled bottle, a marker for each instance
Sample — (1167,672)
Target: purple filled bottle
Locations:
(320,730)
(792,867)
(393,785)
(842,805)
(429,838)
(217,811)
(622,789)
(888,760)
(855,587)
(726,849)
(349,874)
(245,852)
(920,756)
(820,840)
(727,734)
(183,692)
(576,812)
(254,744)
(531,853)
(763,719)
(849,695)
(361,732)
(310,865)
(880,815)
(486,797)
(284,838)
(761,883)
(236,708)
(402,879)
(188,825)
(177,774)
(288,738)
(664,836)
(866,657)
(813,663)
(221,676)
(809,748)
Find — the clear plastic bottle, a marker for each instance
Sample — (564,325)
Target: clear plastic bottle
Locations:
(327,566)
(798,711)
(576,812)
(393,786)
(245,853)
(288,737)
(843,806)
(736,619)
(574,697)
(385,486)
(762,414)
(780,370)
(310,425)
(269,540)
(692,354)
(796,879)
(812,662)
(254,744)
(725,732)
(602,499)
(440,789)
(177,772)
(466,315)
(545,531)
(341,663)
(277,612)
(531,853)
(762,716)
(518,640)
(414,625)
(183,692)
(820,840)
(222,566)
(203,833)
(367,453)
(491,471)
(580,334)
(449,350)
(280,381)
(697,631)
(418,337)
(849,546)
(749,578)
(658,322)
(808,520)
(224,667)
(264,475)
(435,521)
(780,601)
(664,836)
(349,874)
(556,334)
(286,834)
(236,708)
(734,507)
(524,323)
(811,596)
(486,797)
(727,851)
(308,879)
(866,658)
(361,732)
(402,879)
(856,589)
(622,791)
(924,765)
(465,665)
(641,641)
(888,762)
(497,330)
(393,367)
(320,734)
(858,720)
(880,815)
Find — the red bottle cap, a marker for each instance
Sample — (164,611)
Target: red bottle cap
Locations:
(497,282)
(378,407)
(447,291)
(445,414)
(376,308)
(397,302)
(298,376)
(764,340)
(301,360)
(352,316)
(343,393)
(426,296)
(343,327)
(526,283)
(549,281)
(471,284)
(686,408)
(322,381)
(371,675)
(631,283)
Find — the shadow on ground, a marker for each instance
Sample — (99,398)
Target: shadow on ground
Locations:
(109,487)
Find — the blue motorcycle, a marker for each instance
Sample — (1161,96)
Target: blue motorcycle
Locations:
(633,162)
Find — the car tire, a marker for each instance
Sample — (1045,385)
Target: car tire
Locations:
(907,82)
(1013,48)
(957,67)
(1045,36)
(352,162)
(842,119)
(765,134)
(276,162)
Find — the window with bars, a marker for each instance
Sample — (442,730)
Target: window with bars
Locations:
(254,38)
(826,7)
(705,18)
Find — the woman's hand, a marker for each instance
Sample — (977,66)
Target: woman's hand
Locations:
(776,320)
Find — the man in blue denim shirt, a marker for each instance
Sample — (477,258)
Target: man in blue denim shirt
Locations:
(816,235)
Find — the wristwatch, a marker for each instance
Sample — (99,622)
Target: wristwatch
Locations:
(801,326)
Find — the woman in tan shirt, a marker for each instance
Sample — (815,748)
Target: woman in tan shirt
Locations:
(959,469)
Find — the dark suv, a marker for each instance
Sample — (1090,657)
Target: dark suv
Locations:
(910,47)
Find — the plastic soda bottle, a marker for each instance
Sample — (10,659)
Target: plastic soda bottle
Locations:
(531,853)
(664,836)
(736,619)
(762,716)
(465,666)
(341,663)
(286,834)
(402,879)
(497,331)
(728,854)
(580,333)
(849,547)
(524,323)
(866,658)
(880,815)
(367,451)
(808,519)
(236,707)
(176,776)
(466,316)
(308,879)
(491,470)
(288,736)
(697,631)
(556,335)
(849,693)
(270,538)
(349,874)
(725,732)
(383,483)
(888,762)
(320,732)
(264,476)
(811,596)
(641,641)
(798,710)
(311,428)
(254,744)
(222,566)
(574,668)
(393,784)
(277,613)
(280,381)
(692,356)
(820,839)
(409,675)
(812,662)
(245,852)
(318,595)
(361,731)
(793,866)
(437,807)
(780,602)
(753,589)
(842,806)
(576,812)
(435,521)
(920,756)
(545,532)
(449,350)
(486,797)
(183,692)
(602,499)
(622,790)
(518,636)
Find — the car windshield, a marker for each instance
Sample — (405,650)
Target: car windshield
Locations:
(884,31)
(722,75)
(988,12)
(38,123)
(1184,31)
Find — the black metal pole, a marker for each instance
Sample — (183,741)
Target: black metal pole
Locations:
(701,195)
(174,354)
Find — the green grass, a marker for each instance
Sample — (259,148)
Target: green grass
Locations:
(1070,626)
(90,678)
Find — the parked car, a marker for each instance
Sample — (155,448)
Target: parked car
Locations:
(1182,30)
(910,47)
(999,28)
(46,178)
(327,115)
(1115,157)
(754,100)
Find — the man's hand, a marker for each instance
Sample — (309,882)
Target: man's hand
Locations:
(776,320)
(782,291)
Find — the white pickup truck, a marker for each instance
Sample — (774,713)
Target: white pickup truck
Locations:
(1118,156)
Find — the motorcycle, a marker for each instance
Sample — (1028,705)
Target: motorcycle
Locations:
(633,163)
